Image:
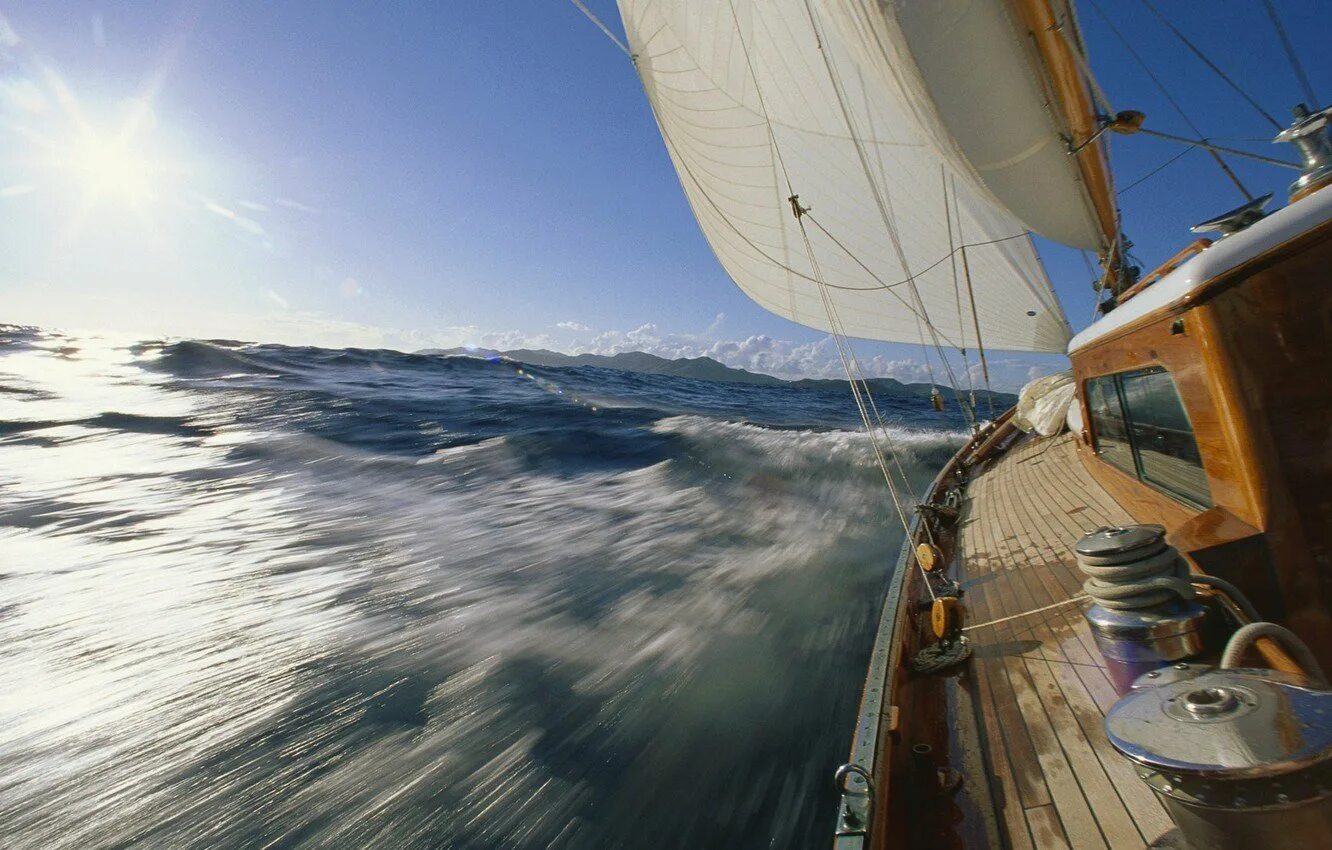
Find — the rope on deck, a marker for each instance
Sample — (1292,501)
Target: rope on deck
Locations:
(1081,597)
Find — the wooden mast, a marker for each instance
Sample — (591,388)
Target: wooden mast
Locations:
(1072,95)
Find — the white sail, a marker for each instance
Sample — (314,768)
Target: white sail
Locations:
(999,112)
(761,99)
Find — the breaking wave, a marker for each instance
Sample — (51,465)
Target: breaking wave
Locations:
(273,596)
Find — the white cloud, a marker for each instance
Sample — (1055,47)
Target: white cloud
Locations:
(573,326)
(18,94)
(757,353)
(8,38)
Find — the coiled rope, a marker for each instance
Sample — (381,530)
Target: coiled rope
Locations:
(1149,578)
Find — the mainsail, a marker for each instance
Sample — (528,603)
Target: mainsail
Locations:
(901,140)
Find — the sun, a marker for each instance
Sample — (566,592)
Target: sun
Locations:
(111,170)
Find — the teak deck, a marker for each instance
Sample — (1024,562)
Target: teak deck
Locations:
(1041,682)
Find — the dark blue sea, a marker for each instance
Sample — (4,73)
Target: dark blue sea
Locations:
(257,596)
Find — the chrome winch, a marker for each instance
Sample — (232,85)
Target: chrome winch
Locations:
(1241,758)
(1145,615)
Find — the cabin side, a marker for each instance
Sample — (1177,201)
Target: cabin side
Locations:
(1205,403)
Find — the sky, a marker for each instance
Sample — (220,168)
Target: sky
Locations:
(412,175)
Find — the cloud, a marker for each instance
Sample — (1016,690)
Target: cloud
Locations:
(757,353)
(19,94)
(573,326)
(8,38)
(820,359)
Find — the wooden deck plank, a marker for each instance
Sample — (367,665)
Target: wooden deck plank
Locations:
(1074,812)
(1044,688)
(1045,829)
(1089,809)
(1053,772)
(1021,753)
(1011,813)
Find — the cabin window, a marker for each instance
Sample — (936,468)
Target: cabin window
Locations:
(1141,426)
(1107,415)
(1163,437)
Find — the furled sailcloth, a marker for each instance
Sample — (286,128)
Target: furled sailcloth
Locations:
(868,110)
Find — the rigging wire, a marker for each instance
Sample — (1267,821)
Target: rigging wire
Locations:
(591,16)
(957,295)
(1142,63)
(883,202)
(1151,7)
(975,320)
(834,323)
(1214,148)
(1291,54)
(1100,284)
(1158,168)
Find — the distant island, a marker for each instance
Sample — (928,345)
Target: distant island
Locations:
(705,369)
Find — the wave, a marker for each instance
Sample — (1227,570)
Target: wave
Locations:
(410,601)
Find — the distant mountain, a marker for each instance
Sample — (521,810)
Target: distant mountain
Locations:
(701,369)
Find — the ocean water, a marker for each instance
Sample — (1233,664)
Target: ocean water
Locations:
(266,597)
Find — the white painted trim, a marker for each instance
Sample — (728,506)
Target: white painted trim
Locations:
(1281,226)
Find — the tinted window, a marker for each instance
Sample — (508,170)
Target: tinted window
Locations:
(1162,436)
(1108,426)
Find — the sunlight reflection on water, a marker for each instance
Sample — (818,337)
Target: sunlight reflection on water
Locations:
(232,619)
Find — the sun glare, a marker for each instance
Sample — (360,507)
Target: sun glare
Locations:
(111,170)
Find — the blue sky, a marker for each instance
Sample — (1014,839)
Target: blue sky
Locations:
(431,174)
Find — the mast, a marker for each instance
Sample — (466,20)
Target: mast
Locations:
(1072,95)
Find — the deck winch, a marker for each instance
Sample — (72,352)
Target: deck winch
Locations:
(1241,758)
(1145,616)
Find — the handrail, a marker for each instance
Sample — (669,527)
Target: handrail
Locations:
(1197,246)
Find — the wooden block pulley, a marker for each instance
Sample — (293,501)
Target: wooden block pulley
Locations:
(943,616)
(929,556)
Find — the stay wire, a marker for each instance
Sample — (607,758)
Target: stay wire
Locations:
(834,320)
(839,328)
(861,405)
(975,319)
(1151,7)
(1159,168)
(883,203)
(1291,54)
(1179,109)
(957,300)
(591,16)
